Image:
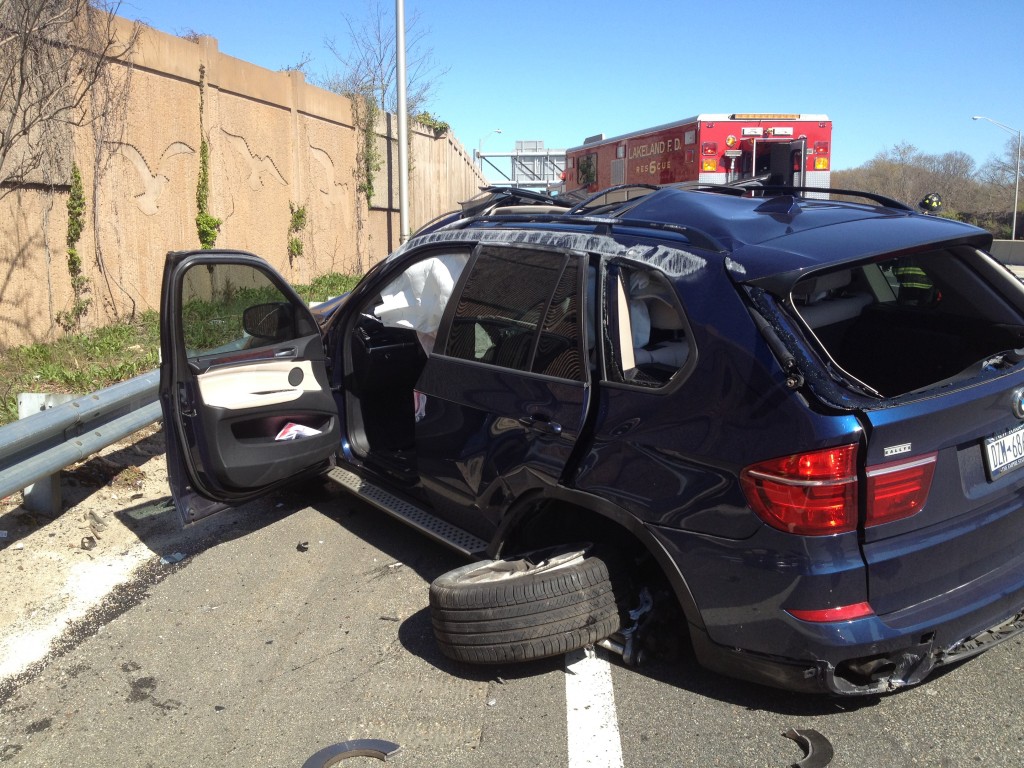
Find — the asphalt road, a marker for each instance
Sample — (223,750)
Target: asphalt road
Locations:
(253,652)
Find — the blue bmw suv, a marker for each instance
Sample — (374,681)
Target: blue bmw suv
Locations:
(794,416)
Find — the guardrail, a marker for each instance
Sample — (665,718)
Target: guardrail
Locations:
(35,449)
(1009,252)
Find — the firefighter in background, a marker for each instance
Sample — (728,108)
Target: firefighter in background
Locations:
(916,288)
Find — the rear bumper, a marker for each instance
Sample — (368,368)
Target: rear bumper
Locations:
(873,674)
(743,588)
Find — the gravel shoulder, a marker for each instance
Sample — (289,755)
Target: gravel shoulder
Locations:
(118,519)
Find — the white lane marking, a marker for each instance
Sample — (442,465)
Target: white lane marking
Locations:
(593,726)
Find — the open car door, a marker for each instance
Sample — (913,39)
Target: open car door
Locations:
(246,400)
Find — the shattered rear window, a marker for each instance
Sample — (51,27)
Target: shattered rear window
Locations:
(914,322)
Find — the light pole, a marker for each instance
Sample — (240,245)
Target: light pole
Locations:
(403,124)
(1016,176)
(480,148)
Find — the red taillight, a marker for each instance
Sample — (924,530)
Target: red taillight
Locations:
(811,494)
(899,489)
(839,613)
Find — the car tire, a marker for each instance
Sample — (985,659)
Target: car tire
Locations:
(540,604)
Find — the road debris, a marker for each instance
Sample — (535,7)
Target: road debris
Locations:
(818,751)
(335,753)
(302,546)
(88,543)
(177,557)
(96,520)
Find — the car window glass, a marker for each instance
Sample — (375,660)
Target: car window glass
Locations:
(230,307)
(558,348)
(647,342)
(520,310)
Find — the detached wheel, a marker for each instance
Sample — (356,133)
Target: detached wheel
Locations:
(543,603)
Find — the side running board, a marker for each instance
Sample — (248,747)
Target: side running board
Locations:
(410,514)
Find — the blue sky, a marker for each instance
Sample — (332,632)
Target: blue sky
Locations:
(885,72)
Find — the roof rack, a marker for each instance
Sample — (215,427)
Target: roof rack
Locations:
(782,189)
(587,200)
(491,195)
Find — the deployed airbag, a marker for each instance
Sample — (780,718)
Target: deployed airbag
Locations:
(418,297)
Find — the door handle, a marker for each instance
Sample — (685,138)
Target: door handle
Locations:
(541,423)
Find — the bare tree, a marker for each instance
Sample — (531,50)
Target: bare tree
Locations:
(55,59)
(370,62)
(951,175)
(369,79)
(969,193)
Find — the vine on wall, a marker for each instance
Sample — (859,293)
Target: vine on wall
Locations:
(72,319)
(433,123)
(207,225)
(298,223)
(368,156)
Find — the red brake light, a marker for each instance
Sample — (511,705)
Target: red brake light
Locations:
(899,489)
(839,613)
(810,494)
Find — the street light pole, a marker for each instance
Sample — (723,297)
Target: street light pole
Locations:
(480,147)
(403,124)
(1016,177)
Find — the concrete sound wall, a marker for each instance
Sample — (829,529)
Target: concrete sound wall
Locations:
(273,139)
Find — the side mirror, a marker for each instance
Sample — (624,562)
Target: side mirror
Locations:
(273,322)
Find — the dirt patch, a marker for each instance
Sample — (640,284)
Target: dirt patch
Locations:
(53,570)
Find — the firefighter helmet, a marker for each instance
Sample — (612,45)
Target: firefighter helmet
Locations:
(930,203)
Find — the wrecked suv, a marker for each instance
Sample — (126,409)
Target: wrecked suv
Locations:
(801,418)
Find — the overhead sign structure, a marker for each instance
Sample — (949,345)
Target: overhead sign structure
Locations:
(532,166)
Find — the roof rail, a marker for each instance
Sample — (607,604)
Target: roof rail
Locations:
(782,189)
(735,188)
(587,200)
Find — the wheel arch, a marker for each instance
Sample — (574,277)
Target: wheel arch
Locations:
(519,528)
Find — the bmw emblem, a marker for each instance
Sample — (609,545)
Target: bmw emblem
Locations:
(1018,402)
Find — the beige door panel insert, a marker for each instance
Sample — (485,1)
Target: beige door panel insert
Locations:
(252,386)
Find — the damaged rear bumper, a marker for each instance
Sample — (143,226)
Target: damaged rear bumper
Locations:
(871,674)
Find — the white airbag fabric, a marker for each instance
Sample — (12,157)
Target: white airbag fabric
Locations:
(418,297)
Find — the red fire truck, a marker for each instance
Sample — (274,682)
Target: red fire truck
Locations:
(716,149)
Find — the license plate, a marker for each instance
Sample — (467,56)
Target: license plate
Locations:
(1005,452)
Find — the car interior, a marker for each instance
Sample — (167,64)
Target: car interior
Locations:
(396,331)
(904,324)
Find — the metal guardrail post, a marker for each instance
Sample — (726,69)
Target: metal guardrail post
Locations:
(41,445)
(44,495)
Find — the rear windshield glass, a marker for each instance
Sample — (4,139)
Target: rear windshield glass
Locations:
(905,324)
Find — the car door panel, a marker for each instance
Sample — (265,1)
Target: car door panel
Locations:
(501,407)
(486,436)
(257,385)
(244,384)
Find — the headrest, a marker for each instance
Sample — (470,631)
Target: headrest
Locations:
(664,316)
(823,283)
